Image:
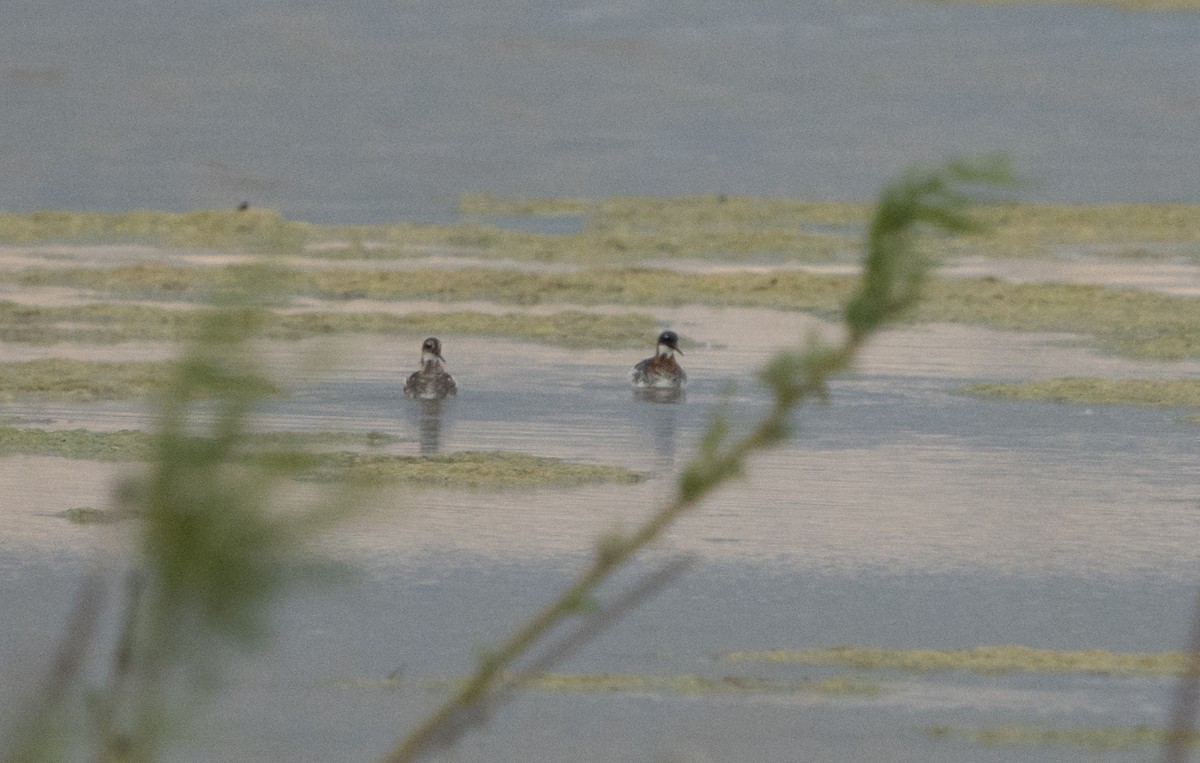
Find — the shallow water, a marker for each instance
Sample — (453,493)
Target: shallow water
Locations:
(903,514)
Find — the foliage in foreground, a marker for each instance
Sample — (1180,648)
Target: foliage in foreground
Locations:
(893,274)
(213,554)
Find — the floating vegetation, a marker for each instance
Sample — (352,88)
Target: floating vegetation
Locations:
(1014,230)
(109,323)
(612,232)
(694,685)
(88,515)
(132,445)
(151,279)
(1091,738)
(92,380)
(309,453)
(621,231)
(82,380)
(1175,393)
(1033,230)
(727,211)
(391,682)
(599,286)
(984,659)
(627,228)
(1135,323)
(255,230)
(492,205)
(467,469)
(81,444)
(591,287)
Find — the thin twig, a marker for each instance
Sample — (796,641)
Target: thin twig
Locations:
(462,706)
(600,619)
(43,715)
(892,275)
(113,742)
(73,650)
(463,718)
(1183,706)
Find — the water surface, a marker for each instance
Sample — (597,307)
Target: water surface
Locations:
(374,111)
(904,514)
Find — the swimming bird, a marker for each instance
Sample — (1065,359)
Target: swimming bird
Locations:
(661,372)
(431,382)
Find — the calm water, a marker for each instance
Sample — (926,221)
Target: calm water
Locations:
(372,110)
(904,515)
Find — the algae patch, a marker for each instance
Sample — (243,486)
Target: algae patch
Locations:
(1134,323)
(693,685)
(1131,322)
(109,323)
(570,328)
(1038,230)
(467,469)
(1090,738)
(1175,393)
(132,445)
(89,515)
(984,659)
(619,232)
(1013,229)
(61,379)
(627,228)
(257,230)
(153,279)
(307,457)
(596,286)
(79,444)
(90,380)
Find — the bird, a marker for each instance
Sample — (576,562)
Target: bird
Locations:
(661,372)
(432,382)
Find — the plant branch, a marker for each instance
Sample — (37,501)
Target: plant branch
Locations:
(892,276)
(1180,733)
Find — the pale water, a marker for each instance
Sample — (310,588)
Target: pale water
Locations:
(371,110)
(903,515)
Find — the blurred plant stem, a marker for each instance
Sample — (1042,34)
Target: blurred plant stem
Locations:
(211,553)
(893,272)
(1181,735)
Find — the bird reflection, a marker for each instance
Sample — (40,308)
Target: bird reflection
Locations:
(660,422)
(430,426)
(660,394)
